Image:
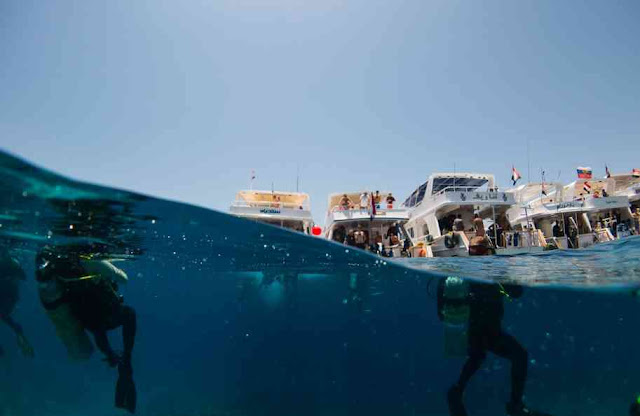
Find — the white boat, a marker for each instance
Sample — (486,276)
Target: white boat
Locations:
(569,216)
(442,198)
(358,224)
(290,210)
(625,185)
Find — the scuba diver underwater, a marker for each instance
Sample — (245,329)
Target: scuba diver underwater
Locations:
(79,292)
(472,313)
(10,276)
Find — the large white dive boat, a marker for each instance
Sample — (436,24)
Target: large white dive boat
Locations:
(446,198)
(354,219)
(573,216)
(290,210)
(625,185)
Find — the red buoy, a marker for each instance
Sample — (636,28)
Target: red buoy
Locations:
(316,230)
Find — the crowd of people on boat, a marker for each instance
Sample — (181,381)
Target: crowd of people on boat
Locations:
(365,201)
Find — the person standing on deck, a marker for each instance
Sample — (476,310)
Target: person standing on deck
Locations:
(478,225)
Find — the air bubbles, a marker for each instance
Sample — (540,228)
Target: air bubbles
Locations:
(71,226)
(153,221)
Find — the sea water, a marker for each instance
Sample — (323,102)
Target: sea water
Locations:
(240,318)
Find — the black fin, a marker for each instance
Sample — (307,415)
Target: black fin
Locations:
(456,407)
(126,395)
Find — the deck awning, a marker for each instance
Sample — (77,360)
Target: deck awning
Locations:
(293,198)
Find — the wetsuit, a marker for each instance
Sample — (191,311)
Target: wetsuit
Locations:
(486,334)
(91,292)
(94,302)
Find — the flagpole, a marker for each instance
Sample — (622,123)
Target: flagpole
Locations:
(528,163)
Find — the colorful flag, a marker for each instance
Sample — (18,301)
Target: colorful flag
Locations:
(635,173)
(587,187)
(584,173)
(607,174)
(515,175)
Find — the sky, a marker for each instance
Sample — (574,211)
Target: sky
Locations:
(182,100)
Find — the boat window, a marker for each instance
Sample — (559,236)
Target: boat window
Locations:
(468,184)
(421,192)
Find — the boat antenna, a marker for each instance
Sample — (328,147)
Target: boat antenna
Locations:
(454,176)
(528,163)
(253,176)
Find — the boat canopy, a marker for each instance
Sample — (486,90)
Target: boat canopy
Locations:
(530,192)
(296,199)
(577,189)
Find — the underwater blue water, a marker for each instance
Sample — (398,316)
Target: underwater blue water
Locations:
(241,318)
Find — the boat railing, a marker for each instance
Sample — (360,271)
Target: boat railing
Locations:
(271,204)
(359,208)
(521,239)
(462,189)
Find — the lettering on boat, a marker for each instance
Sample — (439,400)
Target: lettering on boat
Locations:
(269,211)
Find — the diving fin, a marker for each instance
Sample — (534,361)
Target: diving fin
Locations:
(454,398)
(126,395)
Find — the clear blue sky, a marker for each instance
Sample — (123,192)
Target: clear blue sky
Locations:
(183,99)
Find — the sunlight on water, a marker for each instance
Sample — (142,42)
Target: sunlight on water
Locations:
(240,318)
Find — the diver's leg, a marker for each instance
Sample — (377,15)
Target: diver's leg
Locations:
(129,328)
(474,361)
(506,346)
(126,395)
(471,366)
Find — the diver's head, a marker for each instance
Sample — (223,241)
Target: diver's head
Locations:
(479,246)
(480,250)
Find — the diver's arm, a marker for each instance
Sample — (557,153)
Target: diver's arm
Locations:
(16,327)
(102,342)
(105,269)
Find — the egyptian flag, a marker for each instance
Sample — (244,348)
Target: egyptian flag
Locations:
(587,187)
(635,173)
(543,188)
(584,173)
(607,174)
(515,175)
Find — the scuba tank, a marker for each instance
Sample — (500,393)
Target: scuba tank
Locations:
(454,310)
(68,328)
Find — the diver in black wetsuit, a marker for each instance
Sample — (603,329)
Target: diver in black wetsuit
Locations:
(89,287)
(485,334)
(10,275)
